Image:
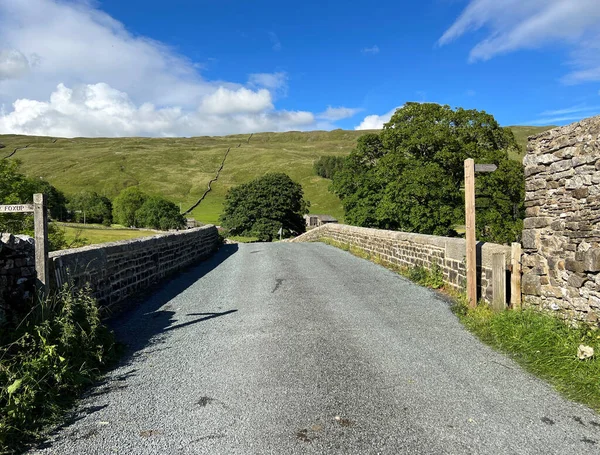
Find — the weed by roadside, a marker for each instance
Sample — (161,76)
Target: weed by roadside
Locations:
(542,344)
(60,348)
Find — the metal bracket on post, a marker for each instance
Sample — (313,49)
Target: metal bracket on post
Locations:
(40,220)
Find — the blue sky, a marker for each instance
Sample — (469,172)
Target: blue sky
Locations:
(183,68)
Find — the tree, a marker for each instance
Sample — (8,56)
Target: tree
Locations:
(159,213)
(327,166)
(261,207)
(90,207)
(410,176)
(126,204)
(16,188)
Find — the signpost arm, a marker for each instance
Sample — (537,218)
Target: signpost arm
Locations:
(40,219)
(471,254)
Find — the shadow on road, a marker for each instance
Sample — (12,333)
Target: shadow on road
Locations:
(152,316)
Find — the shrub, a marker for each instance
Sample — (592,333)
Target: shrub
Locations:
(57,350)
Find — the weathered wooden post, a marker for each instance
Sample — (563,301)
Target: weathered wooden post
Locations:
(515,276)
(40,220)
(499,281)
(471,254)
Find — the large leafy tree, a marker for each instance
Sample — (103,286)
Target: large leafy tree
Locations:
(159,213)
(126,204)
(90,207)
(410,177)
(261,207)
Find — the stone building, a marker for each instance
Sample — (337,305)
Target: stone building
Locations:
(313,221)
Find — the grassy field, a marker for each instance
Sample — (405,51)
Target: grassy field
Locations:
(180,168)
(92,234)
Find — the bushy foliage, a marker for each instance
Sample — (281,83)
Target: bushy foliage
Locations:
(90,207)
(126,204)
(158,213)
(410,177)
(327,166)
(16,188)
(134,208)
(261,207)
(57,350)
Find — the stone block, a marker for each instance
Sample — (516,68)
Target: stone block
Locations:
(531,285)
(577,280)
(531,239)
(580,193)
(591,261)
(537,222)
(574,266)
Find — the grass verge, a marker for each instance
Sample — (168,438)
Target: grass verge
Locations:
(46,359)
(541,343)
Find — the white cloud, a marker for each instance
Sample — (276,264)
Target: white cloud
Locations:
(338,113)
(242,100)
(518,24)
(275,41)
(375,122)
(100,110)
(13,64)
(275,82)
(69,69)
(569,114)
(371,50)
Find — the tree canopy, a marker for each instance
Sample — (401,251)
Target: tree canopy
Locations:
(158,213)
(327,166)
(90,207)
(132,207)
(261,207)
(126,204)
(16,188)
(410,177)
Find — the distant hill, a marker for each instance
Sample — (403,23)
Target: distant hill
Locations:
(180,168)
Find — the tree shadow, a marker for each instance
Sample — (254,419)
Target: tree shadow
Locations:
(150,317)
(139,325)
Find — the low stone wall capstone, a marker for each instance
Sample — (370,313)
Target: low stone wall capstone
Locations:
(119,270)
(561,237)
(409,250)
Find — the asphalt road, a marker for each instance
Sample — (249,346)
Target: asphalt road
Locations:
(303,348)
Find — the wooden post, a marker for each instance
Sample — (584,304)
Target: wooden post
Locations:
(470,232)
(515,276)
(40,220)
(499,281)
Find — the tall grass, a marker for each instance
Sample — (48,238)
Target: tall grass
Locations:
(542,344)
(58,349)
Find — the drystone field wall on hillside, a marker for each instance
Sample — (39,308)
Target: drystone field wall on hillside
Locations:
(561,237)
(409,250)
(119,270)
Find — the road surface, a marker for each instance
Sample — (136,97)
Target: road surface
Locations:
(304,349)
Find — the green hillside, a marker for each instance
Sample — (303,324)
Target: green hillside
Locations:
(180,168)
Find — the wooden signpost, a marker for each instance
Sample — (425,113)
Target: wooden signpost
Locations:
(39,208)
(471,254)
(470,232)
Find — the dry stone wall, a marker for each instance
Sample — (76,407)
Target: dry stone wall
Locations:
(409,250)
(561,237)
(17,275)
(119,270)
